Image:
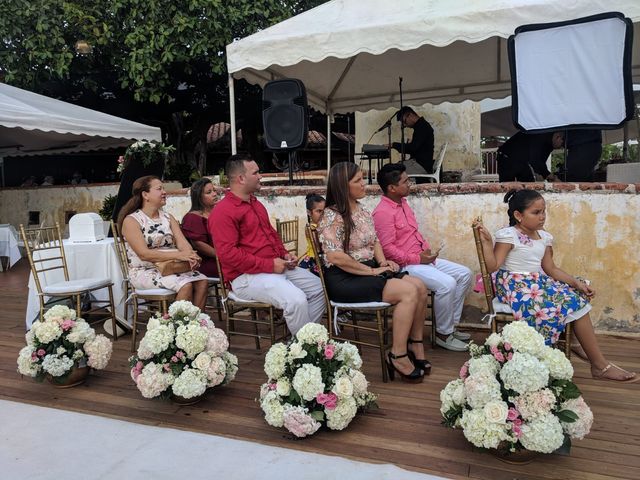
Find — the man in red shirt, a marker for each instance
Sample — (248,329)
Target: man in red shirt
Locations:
(252,256)
(403,243)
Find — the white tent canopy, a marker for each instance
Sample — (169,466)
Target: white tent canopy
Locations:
(32,124)
(350,53)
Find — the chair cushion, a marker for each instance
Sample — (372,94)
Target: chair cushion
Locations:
(213,279)
(500,307)
(153,291)
(360,305)
(76,285)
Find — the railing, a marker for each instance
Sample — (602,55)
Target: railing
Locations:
(489,160)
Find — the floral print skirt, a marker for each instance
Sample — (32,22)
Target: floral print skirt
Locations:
(546,304)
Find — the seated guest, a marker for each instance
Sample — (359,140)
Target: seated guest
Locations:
(48,181)
(194,225)
(315,207)
(252,256)
(153,235)
(402,242)
(357,270)
(78,179)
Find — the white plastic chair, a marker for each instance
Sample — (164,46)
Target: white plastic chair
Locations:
(436,167)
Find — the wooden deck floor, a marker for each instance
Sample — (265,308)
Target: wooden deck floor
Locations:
(405,431)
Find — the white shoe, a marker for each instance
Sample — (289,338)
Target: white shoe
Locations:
(452,343)
(464,336)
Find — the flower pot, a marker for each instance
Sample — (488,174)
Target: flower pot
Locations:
(520,457)
(77,376)
(186,401)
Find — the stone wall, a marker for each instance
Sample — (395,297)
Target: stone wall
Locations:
(596,229)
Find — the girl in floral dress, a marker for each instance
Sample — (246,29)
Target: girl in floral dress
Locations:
(537,290)
(153,235)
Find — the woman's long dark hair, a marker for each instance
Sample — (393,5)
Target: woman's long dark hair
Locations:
(196,193)
(338,195)
(143,184)
(519,201)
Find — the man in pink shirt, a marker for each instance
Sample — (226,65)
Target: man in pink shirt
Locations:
(252,256)
(402,242)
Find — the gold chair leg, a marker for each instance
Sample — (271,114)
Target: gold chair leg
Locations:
(433,320)
(272,326)
(78,306)
(134,330)
(255,325)
(567,340)
(494,325)
(113,314)
(381,345)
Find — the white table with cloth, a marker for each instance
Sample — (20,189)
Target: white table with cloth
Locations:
(84,260)
(9,244)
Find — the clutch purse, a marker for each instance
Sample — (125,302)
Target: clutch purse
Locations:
(172,267)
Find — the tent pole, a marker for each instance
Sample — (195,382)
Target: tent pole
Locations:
(232,113)
(328,141)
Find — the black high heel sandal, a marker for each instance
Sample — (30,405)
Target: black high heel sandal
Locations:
(424,364)
(414,377)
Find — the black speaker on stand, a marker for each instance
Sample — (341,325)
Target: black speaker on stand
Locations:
(285,117)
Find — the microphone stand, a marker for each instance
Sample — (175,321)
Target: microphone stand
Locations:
(401,125)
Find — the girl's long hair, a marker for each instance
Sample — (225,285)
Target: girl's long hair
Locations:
(338,195)
(142,184)
(519,201)
(196,193)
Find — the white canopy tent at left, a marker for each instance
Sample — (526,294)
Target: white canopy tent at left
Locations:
(32,124)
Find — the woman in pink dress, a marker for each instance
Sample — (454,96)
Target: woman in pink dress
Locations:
(153,235)
(194,225)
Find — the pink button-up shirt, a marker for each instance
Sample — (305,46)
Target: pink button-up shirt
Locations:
(398,232)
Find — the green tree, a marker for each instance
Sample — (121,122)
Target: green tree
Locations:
(161,62)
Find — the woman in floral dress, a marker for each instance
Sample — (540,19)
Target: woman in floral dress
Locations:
(539,292)
(153,235)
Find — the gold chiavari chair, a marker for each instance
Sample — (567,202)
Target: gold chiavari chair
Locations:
(45,252)
(501,313)
(154,296)
(288,231)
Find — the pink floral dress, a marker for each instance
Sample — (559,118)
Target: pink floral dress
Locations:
(157,234)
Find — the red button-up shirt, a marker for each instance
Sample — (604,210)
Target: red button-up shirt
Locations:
(398,232)
(243,237)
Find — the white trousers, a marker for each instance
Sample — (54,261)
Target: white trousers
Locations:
(450,281)
(297,292)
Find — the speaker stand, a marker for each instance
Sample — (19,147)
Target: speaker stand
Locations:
(292,156)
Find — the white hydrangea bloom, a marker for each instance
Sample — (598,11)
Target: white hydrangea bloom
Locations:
(26,364)
(348,353)
(483,365)
(273,409)
(480,389)
(534,404)
(307,381)
(523,338)
(182,309)
(60,311)
(275,361)
(296,352)
(192,338)
(558,364)
(451,395)
(231,364)
(57,366)
(153,323)
(542,434)
(343,387)
(81,332)
(153,380)
(359,382)
(493,340)
(190,383)
(312,333)
(47,332)
(481,432)
(340,417)
(216,372)
(524,373)
(99,352)
(581,427)
(156,341)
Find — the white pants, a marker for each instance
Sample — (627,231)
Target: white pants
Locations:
(450,281)
(297,292)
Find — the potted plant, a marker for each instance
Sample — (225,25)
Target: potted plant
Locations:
(313,382)
(106,211)
(182,355)
(515,396)
(63,348)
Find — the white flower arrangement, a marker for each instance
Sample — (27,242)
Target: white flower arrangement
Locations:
(182,354)
(515,393)
(59,343)
(313,382)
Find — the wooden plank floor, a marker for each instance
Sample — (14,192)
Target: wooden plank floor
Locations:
(405,431)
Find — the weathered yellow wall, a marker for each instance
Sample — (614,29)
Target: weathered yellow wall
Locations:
(596,231)
(456,123)
(596,236)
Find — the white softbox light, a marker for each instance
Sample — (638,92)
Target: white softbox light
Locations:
(574,74)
